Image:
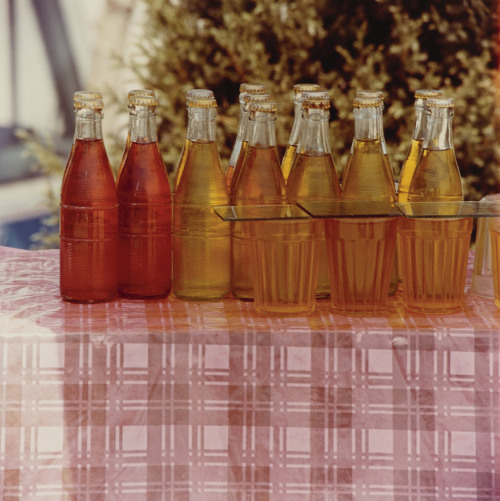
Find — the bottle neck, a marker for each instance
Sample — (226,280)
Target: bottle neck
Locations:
(439,130)
(295,134)
(367,124)
(88,124)
(420,121)
(261,130)
(242,124)
(143,124)
(201,124)
(314,132)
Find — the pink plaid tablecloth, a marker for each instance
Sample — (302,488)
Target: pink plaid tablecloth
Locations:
(173,400)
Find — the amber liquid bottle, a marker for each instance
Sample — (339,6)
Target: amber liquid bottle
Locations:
(201,240)
(89,213)
(434,250)
(260,182)
(313,176)
(145,209)
(246,89)
(291,148)
(415,149)
(361,250)
(247,99)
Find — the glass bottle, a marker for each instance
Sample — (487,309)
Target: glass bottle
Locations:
(313,176)
(245,89)
(361,250)
(131,94)
(145,208)
(260,182)
(434,250)
(201,240)
(288,157)
(247,99)
(82,95)
(415,148)
(89,213)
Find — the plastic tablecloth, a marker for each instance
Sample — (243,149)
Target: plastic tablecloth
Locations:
(174,400)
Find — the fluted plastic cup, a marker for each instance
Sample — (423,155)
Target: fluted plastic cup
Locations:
(285,266)
(482,275)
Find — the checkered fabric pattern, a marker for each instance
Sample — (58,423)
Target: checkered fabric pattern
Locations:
(172,400)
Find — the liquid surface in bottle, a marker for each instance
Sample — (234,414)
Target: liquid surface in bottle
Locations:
(88,228)
(144,224)
(367,174)
(437,177)
(313,178)
(287,162)
(201,240)
(408,169)
(259,182)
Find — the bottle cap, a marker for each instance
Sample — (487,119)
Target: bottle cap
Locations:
(368,93)
(317,100)
(257,98)
(266,107)
(200,98)
(92,104)
(440,102)
(86,95)
(141,92)
(142,100)
(252,88)
(305,87)
(367,102)
(427,93)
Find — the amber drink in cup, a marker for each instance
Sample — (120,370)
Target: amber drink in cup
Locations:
(285,260)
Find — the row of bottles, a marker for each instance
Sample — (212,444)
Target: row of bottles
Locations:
(136,239)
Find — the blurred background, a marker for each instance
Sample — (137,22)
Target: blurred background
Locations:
(51,48)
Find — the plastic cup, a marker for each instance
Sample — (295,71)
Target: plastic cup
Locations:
(361,260)
(434,253)
(482,275)
(285,265)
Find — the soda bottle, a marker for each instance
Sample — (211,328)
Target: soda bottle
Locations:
(247,99)
(132,93)
(288,157)
(245,89)
(415,148)
(361,250)
(434,250)
(201,240)
(89,213)
(259,182)
(313,176)
(145,208)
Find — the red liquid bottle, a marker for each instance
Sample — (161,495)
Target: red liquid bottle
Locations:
(89,213)
(132,93)
(145,209)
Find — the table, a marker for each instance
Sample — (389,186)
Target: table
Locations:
(173,400)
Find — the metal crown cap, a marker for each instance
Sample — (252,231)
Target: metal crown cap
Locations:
(318,99)
(440,102)
(143,100)
(86,95)
(253,88)
(267,106)
(92,104)
(140,92)
(427,93)
(368,93)
(366,102)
